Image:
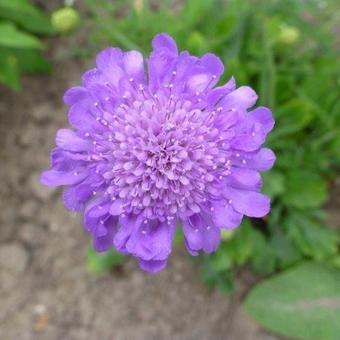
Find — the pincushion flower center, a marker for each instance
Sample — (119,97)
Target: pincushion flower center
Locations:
(155,175)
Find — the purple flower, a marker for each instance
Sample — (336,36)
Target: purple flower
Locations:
(152,148)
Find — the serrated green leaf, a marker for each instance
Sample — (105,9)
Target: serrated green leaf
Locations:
(103,262)
(292,117)
(273,183)
(223,279)
(302,303)
(10,36)
(305,189)
(285,251)
(263,258)
(311,237)
(240,247)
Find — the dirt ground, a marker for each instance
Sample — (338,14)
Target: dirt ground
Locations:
(45,290)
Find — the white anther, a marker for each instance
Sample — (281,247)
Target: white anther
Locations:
(244,161)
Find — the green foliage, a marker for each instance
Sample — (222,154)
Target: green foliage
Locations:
(20,48)
(287,52)
(103,262)
(302,303)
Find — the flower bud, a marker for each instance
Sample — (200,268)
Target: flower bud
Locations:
(65,20)
(288,35)
(196,42)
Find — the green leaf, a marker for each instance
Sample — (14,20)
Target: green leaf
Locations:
(285,250)
(103,262)
(303,303)
(240,246)
(292,117)
(32,61)
(223,279)
(263,258)
(25,15)
(273,183)
(9,71)
(311,237)
(305,189)
(10,36)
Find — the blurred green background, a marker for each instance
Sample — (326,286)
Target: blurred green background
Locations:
(288,51)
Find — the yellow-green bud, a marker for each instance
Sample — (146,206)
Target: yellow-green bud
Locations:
(196,42)
(65,20)
(288,35)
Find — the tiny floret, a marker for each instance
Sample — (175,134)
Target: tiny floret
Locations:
(155,145)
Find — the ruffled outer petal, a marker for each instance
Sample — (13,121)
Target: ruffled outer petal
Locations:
(110,62)
(249,203)
(152,266)
(75,94)
(243,97)
(100,224)
(201,234)
(147,241)
(68,140)
(55,178)
(75,197)
(261,160)
(164,41)
(225,216)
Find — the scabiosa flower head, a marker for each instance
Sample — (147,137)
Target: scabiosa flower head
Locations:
(156,146)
